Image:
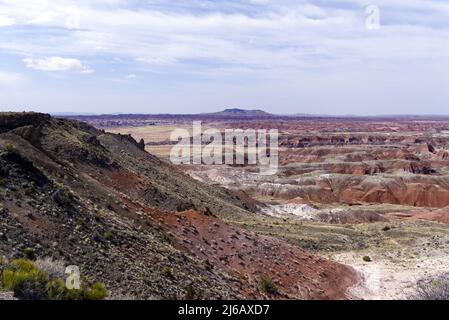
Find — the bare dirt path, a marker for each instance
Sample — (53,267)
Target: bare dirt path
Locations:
(391,275)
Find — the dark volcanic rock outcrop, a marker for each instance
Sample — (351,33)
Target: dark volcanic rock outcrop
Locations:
(9,121)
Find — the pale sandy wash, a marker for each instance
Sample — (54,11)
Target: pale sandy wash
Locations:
(389,278)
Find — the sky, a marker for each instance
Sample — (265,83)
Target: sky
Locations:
(177,56)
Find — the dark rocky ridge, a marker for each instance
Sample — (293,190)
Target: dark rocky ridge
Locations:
(12,120)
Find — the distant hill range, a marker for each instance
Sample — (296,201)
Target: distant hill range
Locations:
(233,113)
(118,120)
(241,113)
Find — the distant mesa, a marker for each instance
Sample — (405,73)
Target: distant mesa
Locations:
(236,112)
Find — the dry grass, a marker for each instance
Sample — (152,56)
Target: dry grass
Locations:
(150,133)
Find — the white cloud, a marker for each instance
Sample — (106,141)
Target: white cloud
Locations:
(45,17)
(57,64)
(156,60)
(131,76)
(318,45)
(261,33)
(6,21)
(274,31)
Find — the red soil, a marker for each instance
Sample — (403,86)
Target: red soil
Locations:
(296,273)
(242,255)
(440,215)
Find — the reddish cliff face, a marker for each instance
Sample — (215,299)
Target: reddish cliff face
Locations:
(418,190)
(440,215)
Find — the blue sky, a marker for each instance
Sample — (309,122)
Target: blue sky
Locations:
(160,56)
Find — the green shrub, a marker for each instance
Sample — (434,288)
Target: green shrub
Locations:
(29,253)
(29,191)
(190,293)
(63,198)
(96,292)
(108,235)
(31,283)
(10,148)
(25,280)
(367,259)
(2,267)
(56,289)
(22,265)
(267,285)
(432,288)
(167,272)
(207,265)
(165,238)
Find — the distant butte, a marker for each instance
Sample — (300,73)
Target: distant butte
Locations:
(236,112)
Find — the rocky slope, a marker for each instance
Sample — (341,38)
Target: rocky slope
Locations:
(97,200)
